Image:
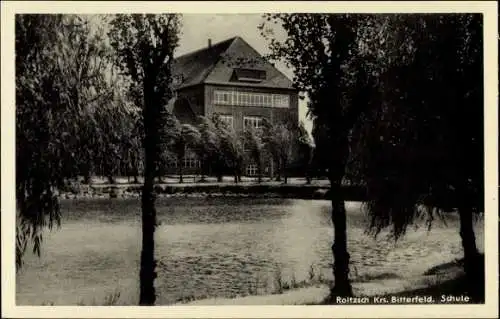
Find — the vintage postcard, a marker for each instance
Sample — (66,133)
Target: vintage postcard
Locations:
(249,159)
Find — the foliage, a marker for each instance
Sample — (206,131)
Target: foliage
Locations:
(324,52)
(305,150)
(231,147)
(133,156)
(182,138)
(395,100)
(280,141)
(209,149)
(144,46)
(418,151)
(428,156)
(333,58)
(62,90)
(256,148)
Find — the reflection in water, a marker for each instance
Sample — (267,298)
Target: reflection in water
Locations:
(213,247)
(299,237)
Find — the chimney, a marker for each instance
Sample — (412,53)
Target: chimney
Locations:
(209,43)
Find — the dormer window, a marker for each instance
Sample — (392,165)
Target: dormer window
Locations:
(249,75)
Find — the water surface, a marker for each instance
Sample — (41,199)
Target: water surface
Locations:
(214,247)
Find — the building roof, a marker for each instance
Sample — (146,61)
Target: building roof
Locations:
(217,63)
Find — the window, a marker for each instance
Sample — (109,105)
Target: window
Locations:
(252,170)
(191,161)
(252,121)
(223,97)
(267,100)
(228,119)
(245,99)
(280,100)
(250,75)
(226,97)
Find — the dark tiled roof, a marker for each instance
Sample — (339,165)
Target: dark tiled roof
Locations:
(215,65)
(196,66)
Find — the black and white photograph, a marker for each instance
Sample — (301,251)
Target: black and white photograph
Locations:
(267,158)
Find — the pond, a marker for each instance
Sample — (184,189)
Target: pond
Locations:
(214,247)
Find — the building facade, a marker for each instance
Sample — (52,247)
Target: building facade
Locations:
(232,80)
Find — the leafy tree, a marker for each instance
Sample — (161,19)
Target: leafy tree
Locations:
(61,89)
(145,44)
(111,138)
(396,123)
(426,146)
(269,147)
(255,146)
(165,142)
(133,146)
(280,141)
(231,147)
(182,138)
(210,149)
(322,49)
(305,150)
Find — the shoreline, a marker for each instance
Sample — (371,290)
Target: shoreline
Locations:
(317,294)
(243,189)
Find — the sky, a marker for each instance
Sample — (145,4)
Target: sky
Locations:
(198,28)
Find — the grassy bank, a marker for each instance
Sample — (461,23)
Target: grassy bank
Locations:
(246,188)
(444,279)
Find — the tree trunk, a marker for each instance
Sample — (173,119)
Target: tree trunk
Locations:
(308,170)
(87,172)
(259,169)
(87,179)
(308,180)
(473,261)
(111,179)
(148,263)
(271,169)
(136,170)
(179,163)
(285,177)
(202,171)
(278,171)
(342,285)
(147,273)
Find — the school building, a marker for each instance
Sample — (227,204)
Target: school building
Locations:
(234,81)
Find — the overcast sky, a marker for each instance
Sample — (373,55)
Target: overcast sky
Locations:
(198,28)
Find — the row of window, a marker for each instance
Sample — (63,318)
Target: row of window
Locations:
(224,97)
(252,121)
(189,162)
(251,170)
(248,121)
